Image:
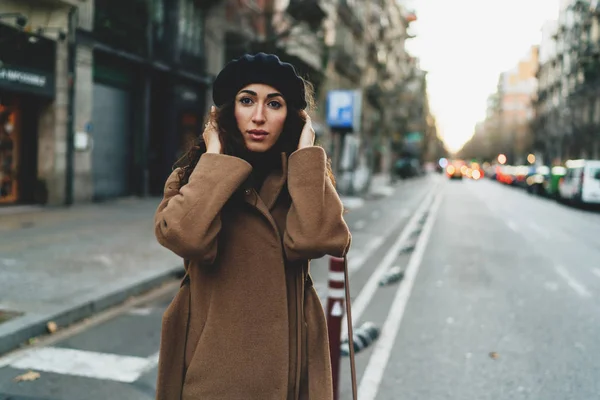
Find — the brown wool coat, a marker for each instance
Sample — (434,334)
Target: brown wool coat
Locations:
(246,323)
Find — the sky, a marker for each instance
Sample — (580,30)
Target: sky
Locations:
(464,45)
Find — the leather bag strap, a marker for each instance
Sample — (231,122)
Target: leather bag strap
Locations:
(350,333)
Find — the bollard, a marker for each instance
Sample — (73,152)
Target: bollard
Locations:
(363,337)
(335,314)
(393,275)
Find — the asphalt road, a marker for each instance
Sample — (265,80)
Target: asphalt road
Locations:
(499,300)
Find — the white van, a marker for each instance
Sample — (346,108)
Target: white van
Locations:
(581,184)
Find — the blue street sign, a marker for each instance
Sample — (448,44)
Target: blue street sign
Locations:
(341,108)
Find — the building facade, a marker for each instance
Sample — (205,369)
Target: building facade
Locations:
(99,98)
(568,109)
(35,67)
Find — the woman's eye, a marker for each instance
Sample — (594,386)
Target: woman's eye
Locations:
(246,100)
(275,104)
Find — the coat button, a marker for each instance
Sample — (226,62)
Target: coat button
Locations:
(248,192)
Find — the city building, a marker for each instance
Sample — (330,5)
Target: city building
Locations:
(99,98)
(519,88)
(35,66)
(546,130)
(568,107)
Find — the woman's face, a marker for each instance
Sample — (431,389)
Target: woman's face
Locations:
(260,112)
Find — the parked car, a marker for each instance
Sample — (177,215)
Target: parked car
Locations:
(581,184)
(551,183)
(535,181)
(475,171)
(456,170)
(521,174)
(407,168)
(506,174)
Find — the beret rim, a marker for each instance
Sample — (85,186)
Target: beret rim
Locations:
(259,68)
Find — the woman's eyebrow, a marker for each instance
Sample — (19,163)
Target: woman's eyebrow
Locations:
(250,92)
(269,96)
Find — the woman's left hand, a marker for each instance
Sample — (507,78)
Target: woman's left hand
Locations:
(307,137)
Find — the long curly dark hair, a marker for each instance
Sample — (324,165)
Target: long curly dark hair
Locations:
(232,141)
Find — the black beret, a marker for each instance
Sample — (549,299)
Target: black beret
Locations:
(259,68)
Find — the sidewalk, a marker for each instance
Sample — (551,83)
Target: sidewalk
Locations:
(65,264)
(381,186)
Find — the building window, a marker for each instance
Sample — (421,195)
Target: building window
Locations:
(191,27)
(122,24)
(158,19)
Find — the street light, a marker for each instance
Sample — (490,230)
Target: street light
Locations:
(502,159)
(531,158)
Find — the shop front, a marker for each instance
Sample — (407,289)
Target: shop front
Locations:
(26,85)
(177,121)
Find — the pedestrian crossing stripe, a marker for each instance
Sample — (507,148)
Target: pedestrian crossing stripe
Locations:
(89,364)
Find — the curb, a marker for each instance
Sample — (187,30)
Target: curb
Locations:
(16,332)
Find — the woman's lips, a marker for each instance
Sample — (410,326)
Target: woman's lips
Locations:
(258,135)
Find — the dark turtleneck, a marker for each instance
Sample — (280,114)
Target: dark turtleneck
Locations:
(262,165)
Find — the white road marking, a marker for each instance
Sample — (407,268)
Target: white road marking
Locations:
(360,224)
(596,272)
(575,285)
(152,362)
(141,311)
(89,364)
(512,225)
(356,261)
(369,384)
(103,259)
(539,230)
(352,203)
(361,302)
(405,213)
(357,257)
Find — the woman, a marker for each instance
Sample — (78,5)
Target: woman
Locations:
(247,209)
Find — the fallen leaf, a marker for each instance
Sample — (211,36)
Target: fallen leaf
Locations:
(52,327)
(27,377)
(494,355)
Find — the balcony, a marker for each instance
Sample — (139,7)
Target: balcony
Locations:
(349,17)
(122,26)
(309,11)
(72,3)
(376,94)
(345,63)
(205,4)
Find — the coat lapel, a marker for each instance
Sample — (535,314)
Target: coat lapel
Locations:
(273,185)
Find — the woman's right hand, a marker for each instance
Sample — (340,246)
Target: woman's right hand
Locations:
(211,134)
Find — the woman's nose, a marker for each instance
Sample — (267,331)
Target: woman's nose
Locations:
(259,114)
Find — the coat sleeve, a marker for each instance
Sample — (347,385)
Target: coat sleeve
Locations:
(187,220)
(315,225)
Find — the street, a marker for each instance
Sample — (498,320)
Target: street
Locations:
(499,300)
